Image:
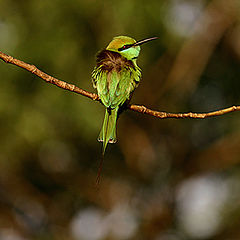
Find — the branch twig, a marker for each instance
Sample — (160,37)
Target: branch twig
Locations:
(137,108)
(143,109)
(47,78)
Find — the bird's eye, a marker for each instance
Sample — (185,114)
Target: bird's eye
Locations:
(125,47)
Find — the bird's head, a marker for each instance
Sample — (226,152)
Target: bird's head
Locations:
(127,46)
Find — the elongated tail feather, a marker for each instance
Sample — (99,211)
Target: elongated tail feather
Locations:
(108,132)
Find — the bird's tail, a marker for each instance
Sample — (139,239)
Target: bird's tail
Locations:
(108,132)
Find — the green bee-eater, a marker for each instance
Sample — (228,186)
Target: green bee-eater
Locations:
(115,77)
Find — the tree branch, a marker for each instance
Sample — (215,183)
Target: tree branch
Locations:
(47,78)
(137,108)
(143,109)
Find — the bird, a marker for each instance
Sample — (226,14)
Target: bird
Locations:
(115,77)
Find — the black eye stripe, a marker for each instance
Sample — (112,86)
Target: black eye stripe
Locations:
(125,47)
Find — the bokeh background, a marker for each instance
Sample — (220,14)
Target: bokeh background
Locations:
(164,179)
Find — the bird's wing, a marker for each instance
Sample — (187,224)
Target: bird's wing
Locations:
(128,80)
(113,87)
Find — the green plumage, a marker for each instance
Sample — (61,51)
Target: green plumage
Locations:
(108,132)
(115,77)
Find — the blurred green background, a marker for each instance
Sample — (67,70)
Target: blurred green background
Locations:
(164,179)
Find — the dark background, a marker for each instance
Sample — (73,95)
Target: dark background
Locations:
(164,179)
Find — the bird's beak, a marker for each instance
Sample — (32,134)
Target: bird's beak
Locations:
(140,42)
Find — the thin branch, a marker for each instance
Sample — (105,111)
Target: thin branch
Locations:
(143,109)
(47,78)
(137,108)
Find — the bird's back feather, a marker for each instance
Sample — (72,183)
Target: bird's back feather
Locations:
(115,78)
